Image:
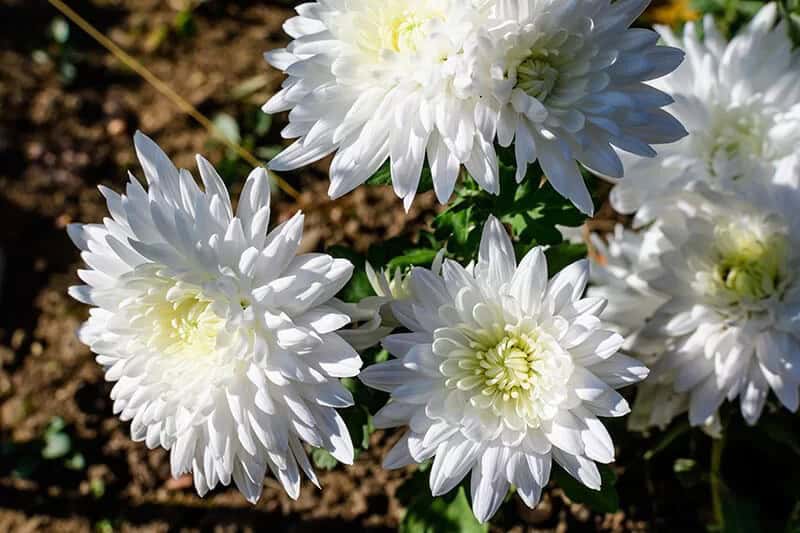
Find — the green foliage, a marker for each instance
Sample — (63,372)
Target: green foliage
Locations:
(57,443)
(444,514)
(323,459)
(384,177)
(184,24)
(250,129)
(358,287)
(790,11)
(531,209)
(731,15)
(605,500)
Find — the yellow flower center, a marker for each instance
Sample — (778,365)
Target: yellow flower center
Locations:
(516,372)
(396,26)
(537,76)
(506,369)
(184,326)
(750,262)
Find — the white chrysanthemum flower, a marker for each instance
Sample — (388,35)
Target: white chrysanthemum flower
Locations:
(502,371)
(383,79)
(730,270)
(567,83)
(221,340)
(740,102)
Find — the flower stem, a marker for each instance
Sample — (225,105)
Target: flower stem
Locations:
(717,446)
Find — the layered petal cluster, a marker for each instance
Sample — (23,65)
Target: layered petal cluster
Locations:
(502,372)
(438,81)
(740,102)
(378,80)
(621,264)
(730,323)
(568,83)
(221,341)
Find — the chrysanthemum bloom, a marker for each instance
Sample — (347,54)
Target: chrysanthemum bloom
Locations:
(378,80)
(740,102)
(567,83)
(221,340)
(502,372)
(730,271)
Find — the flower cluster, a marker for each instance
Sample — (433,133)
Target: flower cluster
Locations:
(225,345)
(439,81)
(740,102)
(707,291)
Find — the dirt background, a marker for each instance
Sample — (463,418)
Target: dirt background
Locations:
(68,110)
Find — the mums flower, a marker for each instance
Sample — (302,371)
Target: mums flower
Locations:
(501,373)
(568,84)
(740,102)
(383,80)
(728,268)
(221,341)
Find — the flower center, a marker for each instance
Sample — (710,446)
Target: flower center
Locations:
(404,32)
(518,373)
(751,260)
(185,325)
(537,76)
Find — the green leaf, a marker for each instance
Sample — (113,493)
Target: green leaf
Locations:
(443,514)
(416,257)
(56,445)
(226,128)
(382,177)
(790,12)
(358,287)
(323,459)
(564,254)
(605,500)
(76,462)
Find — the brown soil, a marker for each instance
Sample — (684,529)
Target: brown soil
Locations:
(58,141)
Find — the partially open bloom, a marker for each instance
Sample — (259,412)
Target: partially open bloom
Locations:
(740,102)
(221,340)
(502,372)
(371,318)
(729,268)
(567,84)
(378,80)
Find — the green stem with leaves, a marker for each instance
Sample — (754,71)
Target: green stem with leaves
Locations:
(717,447)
